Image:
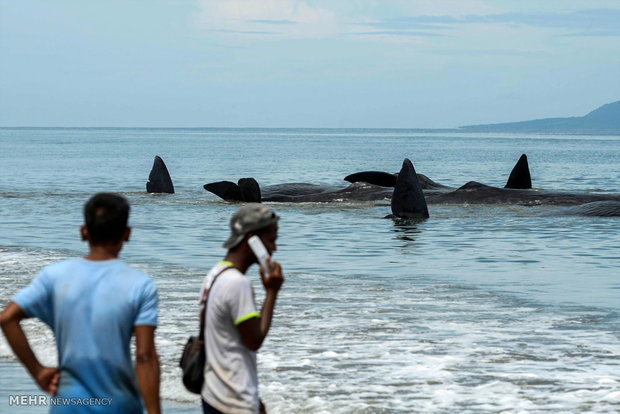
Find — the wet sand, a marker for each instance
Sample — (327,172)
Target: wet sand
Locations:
(15,381)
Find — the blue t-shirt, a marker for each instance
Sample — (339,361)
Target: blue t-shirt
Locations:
(92,308)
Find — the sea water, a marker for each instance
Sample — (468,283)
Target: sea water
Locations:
(480,308)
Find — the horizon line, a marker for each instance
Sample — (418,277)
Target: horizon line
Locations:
(228,127)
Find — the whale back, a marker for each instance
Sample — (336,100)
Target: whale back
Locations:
(408,199)
(159,178)
(520,175)
(593,209)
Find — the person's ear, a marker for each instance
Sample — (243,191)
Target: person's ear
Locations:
(84,233)
(127,234)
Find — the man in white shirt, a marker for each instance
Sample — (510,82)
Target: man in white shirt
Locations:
(234,329)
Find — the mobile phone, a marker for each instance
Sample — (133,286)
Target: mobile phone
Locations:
(259,251)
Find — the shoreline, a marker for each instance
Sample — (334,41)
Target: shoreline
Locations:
(16,384)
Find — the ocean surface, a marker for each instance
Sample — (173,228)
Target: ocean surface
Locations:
(480,308)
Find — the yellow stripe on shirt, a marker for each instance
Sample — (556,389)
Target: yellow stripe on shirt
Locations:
(246,317)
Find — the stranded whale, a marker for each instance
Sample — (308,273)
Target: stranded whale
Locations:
(518,190)
(366,186)
(593,209)
(296,192)
(377,185)
(159,178)
(477,193)
(519,178)
(407,198)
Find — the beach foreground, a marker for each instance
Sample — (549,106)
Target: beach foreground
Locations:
(19,394)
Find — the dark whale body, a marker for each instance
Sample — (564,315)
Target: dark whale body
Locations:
(519,178)
(477,193)
(297,192)
(366,186)
(593,209)
(310,193)
(159,178)
(408,202)
(407,199)
(518,190)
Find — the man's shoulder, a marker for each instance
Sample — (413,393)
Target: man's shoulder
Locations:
(235,284)
(116,271)
(61,267)
(133,270)
(136,277)
(233,273)
(64,263)
(228,278)
(234,276)
(114,265)
(223,270)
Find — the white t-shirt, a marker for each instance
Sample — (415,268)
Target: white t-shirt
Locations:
(231,378)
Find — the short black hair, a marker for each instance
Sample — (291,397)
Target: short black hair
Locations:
(106,215)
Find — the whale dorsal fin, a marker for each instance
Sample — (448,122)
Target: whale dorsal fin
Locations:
(408,199)
(226,190)
(520,175)
(249,190)
(159,178)
(379,178)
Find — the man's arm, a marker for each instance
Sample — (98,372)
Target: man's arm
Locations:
(46,377)
(147,367)
(254,330)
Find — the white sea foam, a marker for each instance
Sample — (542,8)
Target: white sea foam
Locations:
(442,359)
(19,267)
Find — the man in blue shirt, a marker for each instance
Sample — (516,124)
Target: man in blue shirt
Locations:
(93,305)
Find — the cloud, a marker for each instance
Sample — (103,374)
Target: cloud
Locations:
(592,22)
(291,19)
(391,20)
(406,33)
(579,19)
(272,21)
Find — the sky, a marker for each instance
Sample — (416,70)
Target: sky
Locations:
(305,63)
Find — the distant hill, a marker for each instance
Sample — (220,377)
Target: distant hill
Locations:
(605,119)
